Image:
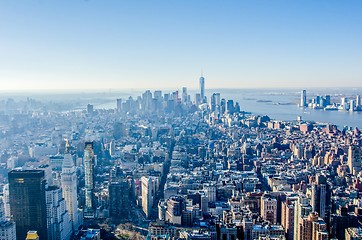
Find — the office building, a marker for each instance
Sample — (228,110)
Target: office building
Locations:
(119,199)
(202,89)
(7,230)
(149,188)
(230,106)
(27,202)
(358,100)
(215,102)
(268,209)
(119,104)
(175,207)
(6,202)
(287,218)
(313,228)
(303,98)
(354,159)
(342,220)
(58,221)
(184,95)
(69,186)
(90,109)
(302,209)
(197,99)
(320,198)
(89,179)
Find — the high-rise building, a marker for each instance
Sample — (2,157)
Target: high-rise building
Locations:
(320,197)
(69,187)
(222,106)
(7,230)
(89,179)
(202,89)
(341,220)
(58,221)
(288,216)
(210,190)
(157,94)
(184,95)
(6,202)
(303,98)
(352,105)
(119,199)
(90,109)
(175,207)
(119,104)
(230,106)
(146,103)
(268,209)
(27,202)
(358,100)
(197,99)
(354,159)
(313,228)
(149,188)
(215,102)
(302,209)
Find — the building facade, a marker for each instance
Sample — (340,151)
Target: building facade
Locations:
(27,202)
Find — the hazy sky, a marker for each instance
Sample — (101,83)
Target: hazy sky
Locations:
(58,44)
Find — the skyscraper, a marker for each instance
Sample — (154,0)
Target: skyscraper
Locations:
(215,102)
(89,179)
(6,202)
(58,221)
(119,104)
(320,198)
(69,186)
(302,209)
(7,230)
(149,189)
(202,89)
(303,98)
(288,216)
(27,202)
(119,202)
(354,159)
(184,95)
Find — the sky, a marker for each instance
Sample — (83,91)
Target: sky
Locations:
(133,44)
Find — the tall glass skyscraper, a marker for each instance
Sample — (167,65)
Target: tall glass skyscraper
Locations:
(303,98)
(202,89)
(27,202)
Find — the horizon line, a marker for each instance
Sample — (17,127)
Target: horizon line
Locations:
(165,89)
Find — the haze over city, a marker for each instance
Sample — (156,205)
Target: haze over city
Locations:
(167,44)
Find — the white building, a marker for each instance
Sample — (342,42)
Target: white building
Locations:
(149,189)
(6,201)
(58,221)
(69,187)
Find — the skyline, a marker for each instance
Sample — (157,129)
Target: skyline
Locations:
(91,45)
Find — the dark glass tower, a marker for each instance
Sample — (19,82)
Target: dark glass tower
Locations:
(27,202)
